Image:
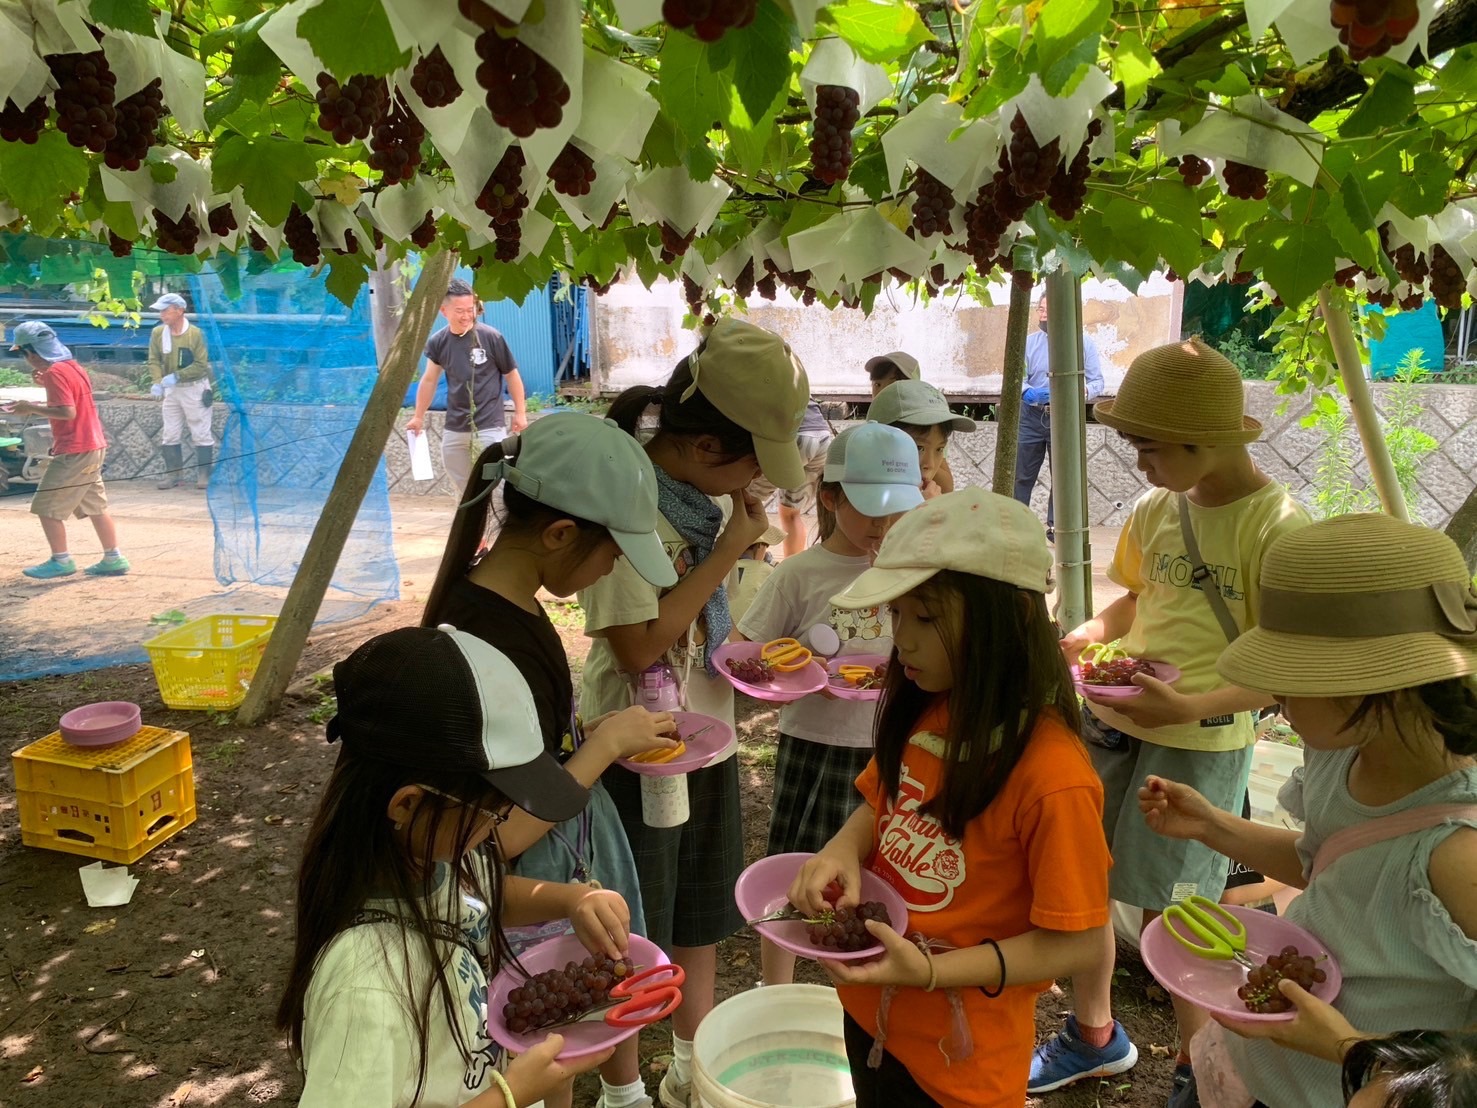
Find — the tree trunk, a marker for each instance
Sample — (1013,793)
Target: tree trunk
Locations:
(354,475)
(1008,411)
(386,303)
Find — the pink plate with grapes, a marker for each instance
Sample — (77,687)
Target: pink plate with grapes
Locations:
(1163,671)
(764,888)
(1212,985)
(781,688)
(707,740)
(580,1039)
(843,689)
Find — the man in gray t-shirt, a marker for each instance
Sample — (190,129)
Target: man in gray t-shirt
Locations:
(477,364)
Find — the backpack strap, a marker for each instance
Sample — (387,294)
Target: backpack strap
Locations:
(1360,835)
(1203,576)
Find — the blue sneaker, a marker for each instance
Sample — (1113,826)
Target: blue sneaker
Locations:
(1184,1093)
(51,568)
(1066,1058)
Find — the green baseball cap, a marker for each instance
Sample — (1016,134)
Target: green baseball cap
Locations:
(916,402)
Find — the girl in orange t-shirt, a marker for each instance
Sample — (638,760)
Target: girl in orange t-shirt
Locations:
(981,808)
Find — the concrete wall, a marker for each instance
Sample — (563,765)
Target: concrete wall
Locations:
(960,344)
(1288,451)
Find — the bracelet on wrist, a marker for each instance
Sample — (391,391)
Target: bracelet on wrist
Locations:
(502,1083)
(999,988)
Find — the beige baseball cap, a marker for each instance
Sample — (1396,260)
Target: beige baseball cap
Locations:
(916,402)
(969,531)
(753,377)
(904,361)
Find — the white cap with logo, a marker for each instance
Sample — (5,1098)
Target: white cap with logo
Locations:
(877,467)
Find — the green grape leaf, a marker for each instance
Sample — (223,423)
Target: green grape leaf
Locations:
(1134,66)
(125,15)
(1388,102)
(1294,258)
(1062,25)
(269,171)
(352,36)
(255,72)
(760,57)
(346,276)
(877,32)
(37,177)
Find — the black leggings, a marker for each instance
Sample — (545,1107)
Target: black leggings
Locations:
(889,1086)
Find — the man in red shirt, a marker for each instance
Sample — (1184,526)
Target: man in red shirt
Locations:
(73,482)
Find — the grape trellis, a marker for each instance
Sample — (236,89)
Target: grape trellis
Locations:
(763,147)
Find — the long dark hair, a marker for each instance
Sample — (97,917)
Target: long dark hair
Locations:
(1421,1069)
(825,518)
(1008,671)
(1449,708)
(352,856)
(521,516)
(681,418)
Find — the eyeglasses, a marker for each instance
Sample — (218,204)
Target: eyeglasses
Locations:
(498,817)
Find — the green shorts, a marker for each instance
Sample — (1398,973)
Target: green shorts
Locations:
(1150,870)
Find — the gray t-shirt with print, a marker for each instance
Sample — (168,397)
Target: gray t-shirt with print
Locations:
(475,364)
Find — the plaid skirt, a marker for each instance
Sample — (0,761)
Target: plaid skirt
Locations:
(814,793)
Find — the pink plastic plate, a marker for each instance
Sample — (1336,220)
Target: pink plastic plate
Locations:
(1212,984)
(785,686)
(843,691)
(700,751)
(102,724)
(765,886)
(1162,670)
(580,1039)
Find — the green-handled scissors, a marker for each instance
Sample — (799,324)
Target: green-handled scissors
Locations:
(1214,932)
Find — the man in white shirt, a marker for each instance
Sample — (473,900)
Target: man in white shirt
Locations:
(1034,442)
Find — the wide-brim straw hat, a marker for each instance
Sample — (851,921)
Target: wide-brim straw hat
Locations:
(1355,605)
(1182,392)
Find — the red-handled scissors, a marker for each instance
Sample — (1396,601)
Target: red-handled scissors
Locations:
(640,999)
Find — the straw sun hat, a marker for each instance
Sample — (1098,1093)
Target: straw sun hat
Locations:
(1356,605)
(1182,392)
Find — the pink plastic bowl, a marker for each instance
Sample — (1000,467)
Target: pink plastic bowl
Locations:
(102,724)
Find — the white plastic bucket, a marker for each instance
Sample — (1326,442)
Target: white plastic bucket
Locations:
(780,1046)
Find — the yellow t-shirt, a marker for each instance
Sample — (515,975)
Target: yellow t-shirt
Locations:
(1175,622)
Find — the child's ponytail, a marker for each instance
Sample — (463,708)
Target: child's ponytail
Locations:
(627,409)
(1449,707)
(468,529)
(683,412)
(825,516)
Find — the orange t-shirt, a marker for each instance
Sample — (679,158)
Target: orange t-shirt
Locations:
(1035,858)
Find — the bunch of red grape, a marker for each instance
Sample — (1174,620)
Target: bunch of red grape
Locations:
(1384,298)
(933,201)
(350,246)
(1447,280)
(222,220)
(137,122)
(1245,182)
(984,224)
(1369,28)
(767,287)
(85,112)
(302,237)
(692,292)
(1118,672)
(573,171)
(1413,300)
(504,200)
(743,284)
(176,236)
(19,124)
(845,929)
(560,995)
(837,108)
(709,19)
(524,91)
(350,110)
(1410,265)
(434,80)
(1023,279)
(1192,169)
(1031,164)
(1345,277)
(119,246)
(752,671)
(425,234)
(395,148)
(1067,191)
(1260,993)
(674,242)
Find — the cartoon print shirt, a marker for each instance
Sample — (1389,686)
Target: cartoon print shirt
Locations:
(358,1035)
(1174,622)
(1035,858)
(797,597)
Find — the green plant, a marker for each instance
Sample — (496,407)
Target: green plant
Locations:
(1246,355)
(325,709)
(565,613)
(14,378)
(1337,487)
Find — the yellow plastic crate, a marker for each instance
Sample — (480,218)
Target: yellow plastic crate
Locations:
(111,802)
(209,662)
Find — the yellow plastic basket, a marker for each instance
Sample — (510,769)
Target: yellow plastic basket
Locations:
(209,662)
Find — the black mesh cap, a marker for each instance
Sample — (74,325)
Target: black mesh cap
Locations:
(443,700)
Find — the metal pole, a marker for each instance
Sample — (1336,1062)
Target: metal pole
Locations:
(1361,403)
(1068,419)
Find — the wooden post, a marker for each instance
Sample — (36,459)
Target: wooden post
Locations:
(355,473)
(1008,411)
(1361,403)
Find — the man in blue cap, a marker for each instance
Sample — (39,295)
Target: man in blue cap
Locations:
(179,363)
(73,481)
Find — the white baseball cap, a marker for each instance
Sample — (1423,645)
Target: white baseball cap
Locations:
(877,467)
(168,300)
(969,531)
(590,468)
(916,402)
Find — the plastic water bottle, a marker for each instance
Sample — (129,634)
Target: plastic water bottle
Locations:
(663,799)
(656,689)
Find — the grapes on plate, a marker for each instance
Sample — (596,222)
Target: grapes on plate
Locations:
(1260,994)
(564,994)
(844,930)
(751,671)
